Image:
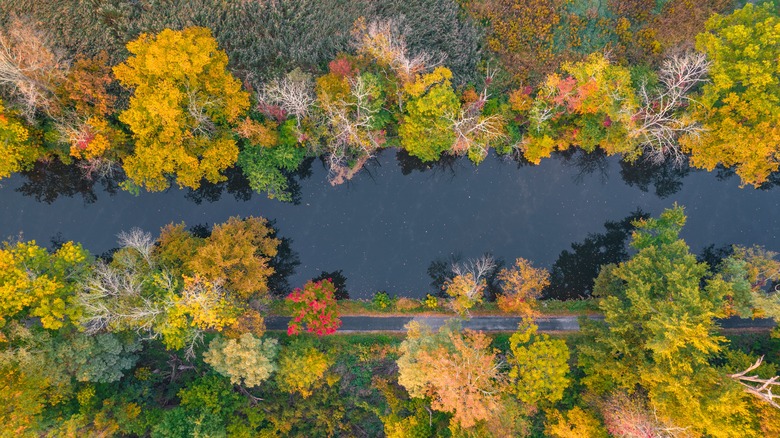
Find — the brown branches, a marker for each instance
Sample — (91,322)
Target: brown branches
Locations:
(761,388)
(382,41)
(29,68)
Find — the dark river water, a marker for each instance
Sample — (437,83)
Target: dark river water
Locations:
(386,227)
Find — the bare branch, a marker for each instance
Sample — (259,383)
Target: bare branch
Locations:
(138,240)
(761,388)
(658,124)
(382,41)
(294,93)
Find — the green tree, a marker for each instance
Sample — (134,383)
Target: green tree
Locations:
(659,333)
(183,105)
(246,361)
(267,166)
(102,358)
(426,129)
(740,106)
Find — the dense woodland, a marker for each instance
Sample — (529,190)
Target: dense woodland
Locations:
(165,335)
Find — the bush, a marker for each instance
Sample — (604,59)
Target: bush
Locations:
(431,302)
(404,304)
(382,300)
(314,306)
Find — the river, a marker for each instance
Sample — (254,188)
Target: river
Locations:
(385,227)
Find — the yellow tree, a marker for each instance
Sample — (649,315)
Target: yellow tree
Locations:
(19,152)
(34,282)
(238,252)
(184,101)
(740,107)
(521,286)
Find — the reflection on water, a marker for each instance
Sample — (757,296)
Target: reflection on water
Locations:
(572,275)
(47,181)
(383,228)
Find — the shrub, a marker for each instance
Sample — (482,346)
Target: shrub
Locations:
(431,302)
(404,304)
(382,300)
(315,307)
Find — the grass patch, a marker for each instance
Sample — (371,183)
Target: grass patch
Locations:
(357,307)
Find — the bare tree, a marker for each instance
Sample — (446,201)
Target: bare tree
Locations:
(658,124)
(294,94)
(761,388)
(382,41)
(29,67)
(475,130)
(139,240)
(351,123)
(114,297)
(477,272)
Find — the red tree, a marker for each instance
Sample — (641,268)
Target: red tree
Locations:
(315,307)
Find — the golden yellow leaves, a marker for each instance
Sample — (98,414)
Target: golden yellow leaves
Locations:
(183,105)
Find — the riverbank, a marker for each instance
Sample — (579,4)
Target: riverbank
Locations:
(403,306)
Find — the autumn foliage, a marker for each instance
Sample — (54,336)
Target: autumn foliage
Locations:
(180,113)
(314,309)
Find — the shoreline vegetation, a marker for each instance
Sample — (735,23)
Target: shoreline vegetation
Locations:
(165,336)
(183,316)
(133,112)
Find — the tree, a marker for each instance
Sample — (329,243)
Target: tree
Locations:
(84,106)
(591,107)
(457,370)
(29,67)
(740,106)
(101,358)
(314,307)
(426,129)
(237,254)
(381,41)
(293,94)
(301,368)
(184,102)
(468,284)
(522,285)
(538,366)
(19,151)
(30,381)
(752,274)
(658,333)
(267,165)
(352,107)
(574,423)
(247,361)
(37,283)
(659,122)
(135,293)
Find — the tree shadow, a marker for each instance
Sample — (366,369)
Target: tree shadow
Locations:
(284,263)
(572,275)
(48,181)
(586,163)
(666,178)
(339,281)
(408,163)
